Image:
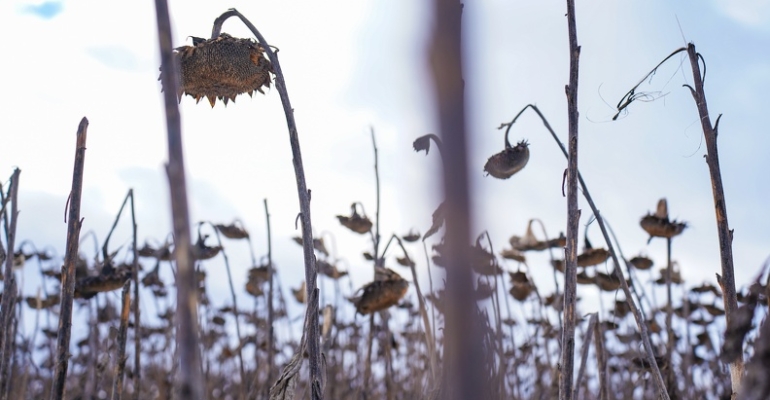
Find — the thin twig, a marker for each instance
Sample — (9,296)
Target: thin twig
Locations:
(270,310)
(135,305)
(236,314)
(584,353)
(70,259)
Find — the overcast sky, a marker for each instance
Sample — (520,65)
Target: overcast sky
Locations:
(350,66)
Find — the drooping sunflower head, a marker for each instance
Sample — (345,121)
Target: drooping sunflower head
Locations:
(222,68)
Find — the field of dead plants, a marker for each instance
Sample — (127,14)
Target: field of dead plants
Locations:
(147,327)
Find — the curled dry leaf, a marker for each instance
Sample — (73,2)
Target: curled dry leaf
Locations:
(222,68)
(509,161)
(422,143)
(439,215)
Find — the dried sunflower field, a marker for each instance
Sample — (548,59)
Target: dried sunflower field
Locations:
(449,311)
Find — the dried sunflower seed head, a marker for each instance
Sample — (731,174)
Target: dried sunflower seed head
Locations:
(509,161)
(222,68)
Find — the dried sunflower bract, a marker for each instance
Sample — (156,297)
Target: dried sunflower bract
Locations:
(222,68)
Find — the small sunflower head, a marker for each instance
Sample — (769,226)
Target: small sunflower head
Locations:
(509,161)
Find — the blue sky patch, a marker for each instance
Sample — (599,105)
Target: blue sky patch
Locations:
(45,10)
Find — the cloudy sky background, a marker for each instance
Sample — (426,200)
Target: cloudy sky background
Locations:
(354,65)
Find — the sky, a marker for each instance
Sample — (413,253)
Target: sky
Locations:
(355,66)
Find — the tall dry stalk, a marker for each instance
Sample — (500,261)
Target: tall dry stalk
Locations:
(465,373)
(190,385)
(271,294)
(9,287)
(70,258)
(120,359)
(618,273)
(727,281)
(311,273)
(573,215)
(723,228)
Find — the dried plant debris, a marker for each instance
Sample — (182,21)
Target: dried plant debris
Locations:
(511,160)
(385,291)
(658,224)
(222,68)
(356,222)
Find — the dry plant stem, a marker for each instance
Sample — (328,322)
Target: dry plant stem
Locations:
(573,216)
(723,228)
(313,345)
(70,259)
(465,374)
(120,367)
(236,314)
(190,380)
(9,287)
(377,184)
(368,362)
(670,379)
(270,311)
(429,341)
(601,363)
(135,305)
(584,353)
(640,321)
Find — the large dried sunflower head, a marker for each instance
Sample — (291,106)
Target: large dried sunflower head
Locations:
(222,68)
(509,161)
